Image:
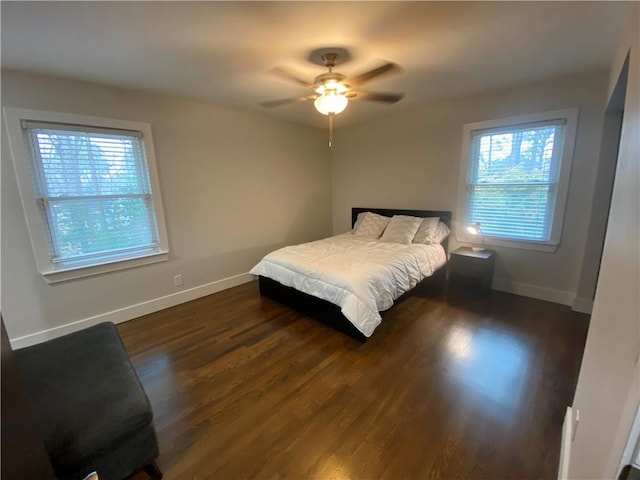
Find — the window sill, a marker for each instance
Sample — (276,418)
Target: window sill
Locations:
(520,244)
(55,276)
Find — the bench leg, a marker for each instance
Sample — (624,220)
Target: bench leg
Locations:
(153,470)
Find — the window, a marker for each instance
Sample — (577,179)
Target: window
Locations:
(89,190)
(515,178)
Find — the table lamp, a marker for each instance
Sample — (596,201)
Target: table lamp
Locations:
(475,229)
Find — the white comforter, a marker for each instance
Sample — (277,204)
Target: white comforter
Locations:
(361,276)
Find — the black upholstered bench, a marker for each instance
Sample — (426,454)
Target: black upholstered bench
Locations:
(89,405)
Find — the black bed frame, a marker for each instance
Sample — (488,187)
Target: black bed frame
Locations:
(330,314)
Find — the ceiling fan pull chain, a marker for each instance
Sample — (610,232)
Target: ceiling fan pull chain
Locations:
(331,131)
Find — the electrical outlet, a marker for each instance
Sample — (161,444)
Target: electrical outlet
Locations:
(177,280)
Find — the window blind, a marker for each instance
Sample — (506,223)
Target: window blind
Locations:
(93,189)
(512,179)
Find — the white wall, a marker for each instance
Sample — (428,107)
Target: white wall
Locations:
(600,203)
(411,159)
(608,391)
(234,186)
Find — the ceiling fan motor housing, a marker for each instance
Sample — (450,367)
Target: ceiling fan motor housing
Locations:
(331,81)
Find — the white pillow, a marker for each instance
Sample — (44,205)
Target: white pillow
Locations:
(427,230)
(442,232)
(401,229)
(370,225)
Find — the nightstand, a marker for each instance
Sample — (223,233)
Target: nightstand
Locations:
(472,268)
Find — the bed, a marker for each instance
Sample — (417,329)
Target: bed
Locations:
(345,281)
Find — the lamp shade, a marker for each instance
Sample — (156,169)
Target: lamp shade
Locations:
(331,102)
(474,228)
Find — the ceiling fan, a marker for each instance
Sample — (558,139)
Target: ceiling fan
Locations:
(332,91)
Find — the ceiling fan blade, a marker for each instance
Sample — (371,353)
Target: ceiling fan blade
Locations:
(284,101)
(287,75)
(371,74)
(379,97)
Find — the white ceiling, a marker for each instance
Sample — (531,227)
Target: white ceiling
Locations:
(221,51)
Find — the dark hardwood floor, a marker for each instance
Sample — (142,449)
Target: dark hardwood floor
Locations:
(449,386)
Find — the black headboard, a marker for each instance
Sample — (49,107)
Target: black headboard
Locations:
(445,216)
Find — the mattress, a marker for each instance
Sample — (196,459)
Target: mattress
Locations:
(362,276)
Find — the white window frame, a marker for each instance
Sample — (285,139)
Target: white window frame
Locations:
(570,116)
(38,230)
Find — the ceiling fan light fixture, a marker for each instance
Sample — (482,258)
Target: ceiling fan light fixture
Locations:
(331,102)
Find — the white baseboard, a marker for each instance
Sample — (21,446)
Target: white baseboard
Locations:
(565,445)
(134,311)
(582,305)
(533,291)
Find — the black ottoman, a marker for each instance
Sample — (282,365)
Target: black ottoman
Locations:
(88,404)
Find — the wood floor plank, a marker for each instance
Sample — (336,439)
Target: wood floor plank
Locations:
(449,386)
